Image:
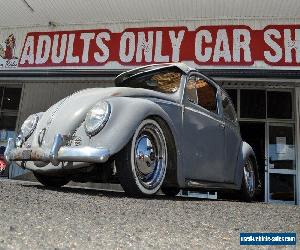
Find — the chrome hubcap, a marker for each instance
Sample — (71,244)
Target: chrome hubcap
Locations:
(249,177)
(150,156)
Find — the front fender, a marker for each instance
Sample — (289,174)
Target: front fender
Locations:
(245,152)
(126,114)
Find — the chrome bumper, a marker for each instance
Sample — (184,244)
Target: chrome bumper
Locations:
(58,153)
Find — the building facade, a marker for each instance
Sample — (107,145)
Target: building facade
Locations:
(254,55)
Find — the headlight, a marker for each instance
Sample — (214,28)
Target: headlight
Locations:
(96,118)
(29,125)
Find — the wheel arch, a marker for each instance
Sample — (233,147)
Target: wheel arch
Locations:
(126,115)
(245,152)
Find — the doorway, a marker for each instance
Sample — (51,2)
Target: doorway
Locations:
(281,163)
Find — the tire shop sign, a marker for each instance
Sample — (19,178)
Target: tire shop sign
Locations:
(276,45)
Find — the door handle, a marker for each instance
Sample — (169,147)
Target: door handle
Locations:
(222,125)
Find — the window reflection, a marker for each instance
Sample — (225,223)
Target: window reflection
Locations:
(281,147)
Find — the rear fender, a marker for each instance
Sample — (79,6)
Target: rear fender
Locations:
(245,152)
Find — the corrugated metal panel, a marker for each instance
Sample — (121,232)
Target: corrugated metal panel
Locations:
(17,13)
(39,96)
(36,98)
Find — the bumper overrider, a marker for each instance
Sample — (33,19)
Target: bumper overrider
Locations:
(56,154)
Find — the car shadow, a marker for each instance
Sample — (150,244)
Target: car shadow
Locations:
(110,193)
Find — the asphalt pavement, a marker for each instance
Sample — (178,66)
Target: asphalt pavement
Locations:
(34,217)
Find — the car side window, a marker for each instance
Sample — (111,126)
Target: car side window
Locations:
(201,92)
(228,109)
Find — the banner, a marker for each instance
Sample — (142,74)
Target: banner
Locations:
(237,45)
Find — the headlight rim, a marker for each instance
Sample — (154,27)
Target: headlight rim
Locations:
(32,129)
(102,125)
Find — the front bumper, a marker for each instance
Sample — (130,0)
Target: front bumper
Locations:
(57,154)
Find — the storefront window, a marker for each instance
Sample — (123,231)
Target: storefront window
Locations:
(279,104)
(8,122)
(11,98)
(282,187)
(253,104)
(9,105)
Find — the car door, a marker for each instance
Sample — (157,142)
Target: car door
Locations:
(232,138)
(203,131)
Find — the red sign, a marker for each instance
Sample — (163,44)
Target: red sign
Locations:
(208,45)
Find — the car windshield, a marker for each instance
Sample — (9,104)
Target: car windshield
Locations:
(166,80)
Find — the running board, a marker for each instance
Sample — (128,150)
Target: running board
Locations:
(210,185)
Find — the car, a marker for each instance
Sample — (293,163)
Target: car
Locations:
(163,127)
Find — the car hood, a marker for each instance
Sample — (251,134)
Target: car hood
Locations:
(65,116)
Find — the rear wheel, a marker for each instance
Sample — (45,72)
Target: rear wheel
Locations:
(51,181)
(142,164)
(249,182)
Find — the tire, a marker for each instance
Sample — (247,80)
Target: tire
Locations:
(170,191)
(142,169)
(248,187)
(51,181)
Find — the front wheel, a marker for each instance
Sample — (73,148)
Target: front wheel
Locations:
(248,183)
(51,181)
(142,164)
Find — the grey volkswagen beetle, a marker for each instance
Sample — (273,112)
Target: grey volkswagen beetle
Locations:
(164,126)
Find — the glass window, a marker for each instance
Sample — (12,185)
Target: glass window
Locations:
(7,122)
(253,104)
(279,105)
(228,109)
(233,96)
(165,81)
(281,147)
(11,98)
(203,93)
(282,187)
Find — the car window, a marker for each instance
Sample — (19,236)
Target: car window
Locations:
(165,80)
(228,108)
(201,92)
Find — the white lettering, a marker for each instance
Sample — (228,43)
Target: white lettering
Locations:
(28,51)
(86,37)
(222,47)
(273,45)
(176,43)
(290,45)
(239,44)
(201,37)
(62,51)
(144,47)
(103,47)
(126,53)
(158,57)
(70,58)
(44,45)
